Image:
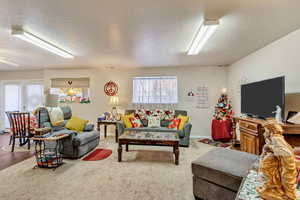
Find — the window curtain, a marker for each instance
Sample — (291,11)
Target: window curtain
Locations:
(155,90)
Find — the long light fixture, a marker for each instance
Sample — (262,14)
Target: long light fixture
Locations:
(29,37)
(206,30)
(5,61)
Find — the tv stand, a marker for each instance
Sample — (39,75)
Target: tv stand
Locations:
(251,134)
(252,138)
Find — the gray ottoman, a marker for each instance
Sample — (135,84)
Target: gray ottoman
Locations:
(218,173)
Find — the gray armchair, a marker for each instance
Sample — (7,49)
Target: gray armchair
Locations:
(77,144)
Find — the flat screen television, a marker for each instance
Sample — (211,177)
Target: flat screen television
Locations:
(261,98)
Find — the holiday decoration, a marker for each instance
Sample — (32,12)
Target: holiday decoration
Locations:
(111,88)
(221,128)
(223,109)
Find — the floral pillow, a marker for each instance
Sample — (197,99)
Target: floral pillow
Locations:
(174,124)
(143,114)
(135,122)
(154,121)
(169,114)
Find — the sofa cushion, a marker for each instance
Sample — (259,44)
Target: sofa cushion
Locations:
(223,167)
(64,131)
(83,138)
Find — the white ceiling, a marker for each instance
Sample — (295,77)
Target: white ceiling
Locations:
(141,33)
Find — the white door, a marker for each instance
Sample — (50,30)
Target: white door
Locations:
(12,99)
(33,96)
(21,96)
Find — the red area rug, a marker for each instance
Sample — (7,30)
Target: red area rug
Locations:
(98,154)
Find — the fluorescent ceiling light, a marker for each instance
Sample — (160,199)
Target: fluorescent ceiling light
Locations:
(3,60)
(205,31)
(29,37)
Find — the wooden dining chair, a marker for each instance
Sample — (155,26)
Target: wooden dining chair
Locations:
(19,128)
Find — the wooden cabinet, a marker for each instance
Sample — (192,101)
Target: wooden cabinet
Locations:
(251,135)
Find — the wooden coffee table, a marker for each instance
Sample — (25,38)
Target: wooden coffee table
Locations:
(149,138)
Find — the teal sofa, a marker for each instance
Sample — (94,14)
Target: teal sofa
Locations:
(78,143)
(184,135)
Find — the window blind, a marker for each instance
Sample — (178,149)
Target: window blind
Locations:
(155,90)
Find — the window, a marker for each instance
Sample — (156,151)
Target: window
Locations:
(71,90)
(71,95)
(155,90)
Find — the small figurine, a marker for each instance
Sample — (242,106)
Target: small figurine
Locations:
(278,114)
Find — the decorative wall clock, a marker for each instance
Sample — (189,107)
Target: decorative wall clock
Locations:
(111,88)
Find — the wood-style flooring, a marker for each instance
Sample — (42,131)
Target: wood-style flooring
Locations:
(8,158)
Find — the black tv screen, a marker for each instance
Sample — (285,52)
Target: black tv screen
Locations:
(260,98)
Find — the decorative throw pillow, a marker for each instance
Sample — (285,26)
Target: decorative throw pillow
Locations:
(135,122)
(174,124)
(56,115)
(144,122)
(169,114)
(160,113)
(154,121)
(183,121)
(126,120)
(76,124)
(165,123)
(33,122)
(141,113)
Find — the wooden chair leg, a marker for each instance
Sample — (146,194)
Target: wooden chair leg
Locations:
(28,143)
(10,139)
(13,144)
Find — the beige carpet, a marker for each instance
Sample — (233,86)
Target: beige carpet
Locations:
(147,174)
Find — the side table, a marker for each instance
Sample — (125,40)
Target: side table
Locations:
(41,131)
(107,123)
(49,156)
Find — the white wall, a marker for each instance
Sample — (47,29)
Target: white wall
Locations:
(280,58)
(21,75)
(188,78)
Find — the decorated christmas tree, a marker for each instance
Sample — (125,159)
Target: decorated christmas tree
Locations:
(223,109)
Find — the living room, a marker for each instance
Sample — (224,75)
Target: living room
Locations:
(113,44)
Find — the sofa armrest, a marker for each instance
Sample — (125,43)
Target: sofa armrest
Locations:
(120,128)
(187,129)
(89,127)
(85,137)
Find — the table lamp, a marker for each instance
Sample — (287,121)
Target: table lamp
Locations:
(114,102)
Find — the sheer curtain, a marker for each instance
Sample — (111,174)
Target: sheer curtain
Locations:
(155,90)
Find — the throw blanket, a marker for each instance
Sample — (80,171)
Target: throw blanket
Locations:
(56,115)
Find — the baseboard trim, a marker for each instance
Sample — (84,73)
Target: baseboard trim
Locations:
(199,137)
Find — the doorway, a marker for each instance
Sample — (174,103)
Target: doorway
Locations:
(22,96)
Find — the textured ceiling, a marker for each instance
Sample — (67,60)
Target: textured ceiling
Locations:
(141,33)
